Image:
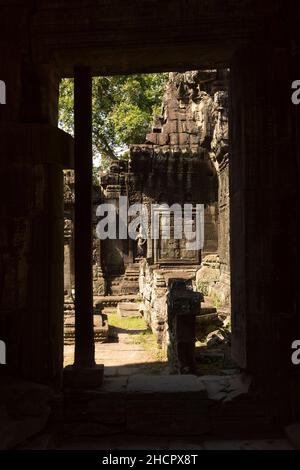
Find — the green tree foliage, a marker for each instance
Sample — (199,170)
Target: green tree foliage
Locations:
(123,108)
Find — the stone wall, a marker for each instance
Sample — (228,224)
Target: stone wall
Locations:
(32,155)
(69,218)
(177,164)
(152,285)
(116,255)
(185,159)
(213,278)
(69,262)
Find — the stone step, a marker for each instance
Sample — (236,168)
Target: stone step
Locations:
(128,309)
(114,284)
(133,268)
(113,300)
(170,405)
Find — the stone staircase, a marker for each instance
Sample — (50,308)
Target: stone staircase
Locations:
(114,284)
(130,282)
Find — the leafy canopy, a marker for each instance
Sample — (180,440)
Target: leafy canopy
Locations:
(122,107)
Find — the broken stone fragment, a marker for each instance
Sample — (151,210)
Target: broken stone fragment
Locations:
(214,339)
(206,324)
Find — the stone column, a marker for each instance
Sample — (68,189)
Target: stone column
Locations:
(84,336)
(31,211)
(84,372)
(263,211)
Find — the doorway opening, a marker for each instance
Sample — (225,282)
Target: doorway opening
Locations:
(160,306)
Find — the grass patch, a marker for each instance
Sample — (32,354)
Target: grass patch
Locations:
(127,323)
(202,287)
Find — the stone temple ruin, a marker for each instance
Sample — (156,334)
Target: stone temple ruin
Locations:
(184,160)
(42,42)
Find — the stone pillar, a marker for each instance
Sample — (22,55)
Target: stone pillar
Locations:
(84,342)
(84,373)
(183,305)
(263,211)
(31,209)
